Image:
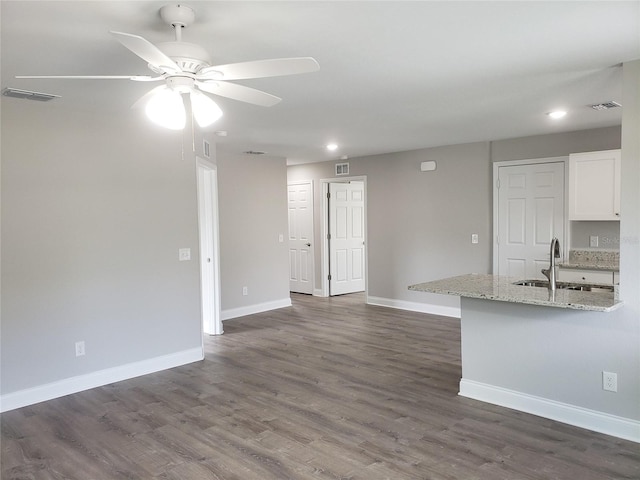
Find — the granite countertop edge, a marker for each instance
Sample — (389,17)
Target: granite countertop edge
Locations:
(608,267)
(500,288)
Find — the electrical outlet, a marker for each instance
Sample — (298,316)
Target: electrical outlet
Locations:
(593,241)
(245,291)
(610,381)
(80,348)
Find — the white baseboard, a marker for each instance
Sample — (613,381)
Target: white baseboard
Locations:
(620,427)
(415,306)
(256,308)
(317,292)
(49,391)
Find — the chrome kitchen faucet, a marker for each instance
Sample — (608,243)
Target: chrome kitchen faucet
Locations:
(552,272)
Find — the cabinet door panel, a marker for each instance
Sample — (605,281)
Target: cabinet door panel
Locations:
(594,185)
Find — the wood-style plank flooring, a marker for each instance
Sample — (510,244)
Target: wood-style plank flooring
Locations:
(326,389)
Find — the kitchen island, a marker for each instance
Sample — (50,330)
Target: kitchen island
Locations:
(527,349)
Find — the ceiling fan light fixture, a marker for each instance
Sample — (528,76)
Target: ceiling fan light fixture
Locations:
(166,109)
(205,110)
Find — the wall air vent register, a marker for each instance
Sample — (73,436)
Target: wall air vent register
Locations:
(342,169)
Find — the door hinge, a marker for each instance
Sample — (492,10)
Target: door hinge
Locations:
(498,184)
(328,195)
(329,277)
(328,236)
(497,239)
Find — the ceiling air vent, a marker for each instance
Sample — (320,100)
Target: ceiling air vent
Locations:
(28,95)
(605,105)
(254,152)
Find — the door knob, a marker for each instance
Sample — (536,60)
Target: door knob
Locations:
(308,244)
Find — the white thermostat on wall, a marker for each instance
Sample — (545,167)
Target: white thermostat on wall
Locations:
(427,166)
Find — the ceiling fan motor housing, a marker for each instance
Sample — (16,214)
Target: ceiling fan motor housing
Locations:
(189,56)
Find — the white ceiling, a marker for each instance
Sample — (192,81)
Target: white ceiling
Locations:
(393,75)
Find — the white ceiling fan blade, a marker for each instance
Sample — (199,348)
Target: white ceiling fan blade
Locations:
(239,92)
(260,69)
(137,78)
(147,51)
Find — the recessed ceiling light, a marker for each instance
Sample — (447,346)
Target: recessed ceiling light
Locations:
(557,114)
(332,147)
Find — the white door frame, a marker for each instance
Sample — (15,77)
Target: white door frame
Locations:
(208,231)
(496,206)
(312,233)
(324,251)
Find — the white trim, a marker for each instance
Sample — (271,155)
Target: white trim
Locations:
(620,427)
(317,292)
(415,306)
(60,388)
(211,326)
(256,308)
(496,215)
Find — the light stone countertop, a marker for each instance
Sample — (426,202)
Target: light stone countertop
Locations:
(591,259)
(501,288)
(608,267)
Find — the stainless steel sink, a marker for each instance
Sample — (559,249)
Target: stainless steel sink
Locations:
(584,287)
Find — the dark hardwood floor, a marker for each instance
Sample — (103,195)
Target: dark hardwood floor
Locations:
(326,389)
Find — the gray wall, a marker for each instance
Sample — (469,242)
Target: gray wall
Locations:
(563,354)
(420,223)
(94,210)
(253,213)
(555,145)
(608,234)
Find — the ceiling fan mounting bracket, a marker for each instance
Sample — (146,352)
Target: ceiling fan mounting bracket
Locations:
(178,15)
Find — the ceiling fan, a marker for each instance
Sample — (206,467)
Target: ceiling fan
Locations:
(186,68)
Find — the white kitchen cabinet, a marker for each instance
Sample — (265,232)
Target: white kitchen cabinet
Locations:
(586,276)
(594,185)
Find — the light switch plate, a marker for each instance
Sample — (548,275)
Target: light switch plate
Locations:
(593,241)
(184,254)
(474,238)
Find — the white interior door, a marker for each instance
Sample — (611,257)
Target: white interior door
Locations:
(531,208)
(300,196)
(346,238)
(209,256)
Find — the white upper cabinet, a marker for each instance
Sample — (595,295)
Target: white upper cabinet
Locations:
(594,185)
